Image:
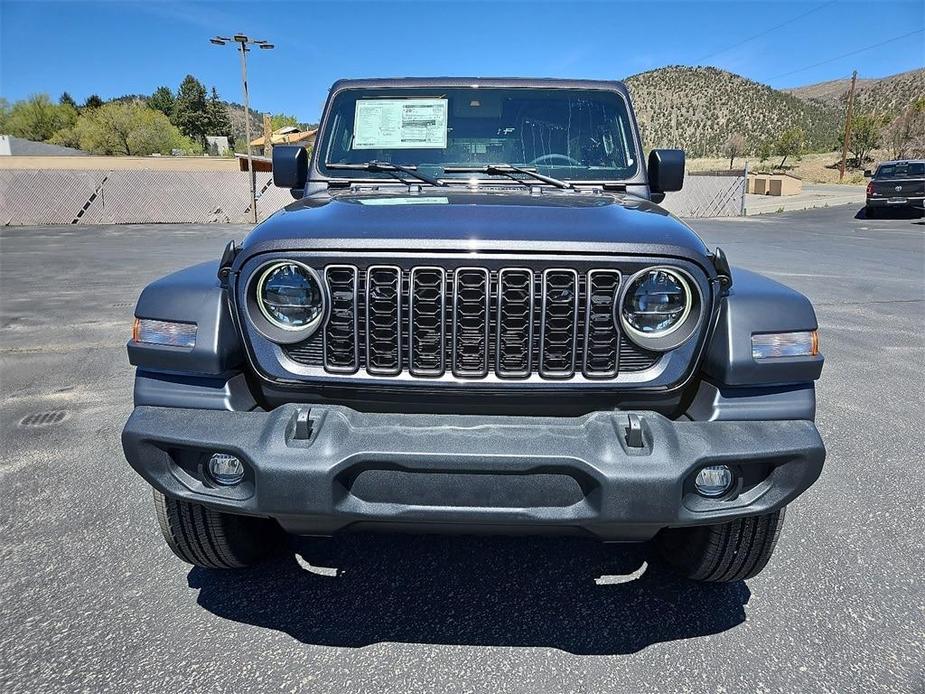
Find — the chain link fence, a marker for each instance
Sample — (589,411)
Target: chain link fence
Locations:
(33,197)
(709,195)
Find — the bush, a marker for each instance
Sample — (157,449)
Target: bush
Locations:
(130,129)
(38,119)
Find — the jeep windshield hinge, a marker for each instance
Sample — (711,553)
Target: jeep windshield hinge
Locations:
(723,272)
(224,265)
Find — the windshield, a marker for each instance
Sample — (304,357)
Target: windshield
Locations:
(901,170)
(569,134)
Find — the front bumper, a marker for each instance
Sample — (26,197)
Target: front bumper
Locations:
(450,473)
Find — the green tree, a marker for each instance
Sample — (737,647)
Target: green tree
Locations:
(865,136)
(37,118)
(191,112)
(906,133)
(93,101)
(734,146)
(67,100)
(281,120)
(219,121)
(4,115)
(162,100)
(765,150)
(790,144)
(130,129)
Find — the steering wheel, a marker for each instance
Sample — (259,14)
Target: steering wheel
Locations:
(549,158)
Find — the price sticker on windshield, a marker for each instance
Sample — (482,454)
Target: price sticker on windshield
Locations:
(400,124)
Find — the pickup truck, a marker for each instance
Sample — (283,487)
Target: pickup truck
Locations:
(896,184)
(475,317)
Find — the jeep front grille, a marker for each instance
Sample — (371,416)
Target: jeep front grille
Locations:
(471,322)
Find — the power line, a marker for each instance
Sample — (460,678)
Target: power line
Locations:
(845,55)
(766,31)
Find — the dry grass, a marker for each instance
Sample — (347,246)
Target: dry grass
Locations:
(812,168)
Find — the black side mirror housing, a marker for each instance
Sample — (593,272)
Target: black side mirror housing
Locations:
(867,173)
(290,166)
(666,171)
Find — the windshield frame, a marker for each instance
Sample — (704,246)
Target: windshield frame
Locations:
(617,89)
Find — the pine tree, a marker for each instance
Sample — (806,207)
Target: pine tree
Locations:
(190,112)
(67,100)
(219,122)
(93,101)
(162,100)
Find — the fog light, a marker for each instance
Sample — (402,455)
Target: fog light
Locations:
(226,469)
(714,480)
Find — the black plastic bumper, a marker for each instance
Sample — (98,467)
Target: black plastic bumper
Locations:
(451,473)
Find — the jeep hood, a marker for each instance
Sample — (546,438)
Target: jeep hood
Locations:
(454,219)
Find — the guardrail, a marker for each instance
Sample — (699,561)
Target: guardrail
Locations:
(34,197)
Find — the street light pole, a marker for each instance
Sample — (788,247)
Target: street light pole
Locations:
(242,46)
(243,41)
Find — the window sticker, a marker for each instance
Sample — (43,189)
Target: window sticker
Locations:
(400,124)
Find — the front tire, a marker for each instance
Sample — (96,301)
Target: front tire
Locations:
(732,551)
(215,540)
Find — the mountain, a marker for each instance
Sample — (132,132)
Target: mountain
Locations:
(698,108)
(885,95)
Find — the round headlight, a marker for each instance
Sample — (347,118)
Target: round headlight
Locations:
(660,308)
(290,297)
(656,303)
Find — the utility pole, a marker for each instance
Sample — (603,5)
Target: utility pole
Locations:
(243,41)
(847,142)
(267,136)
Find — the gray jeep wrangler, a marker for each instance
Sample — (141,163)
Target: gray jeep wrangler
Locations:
(475,318)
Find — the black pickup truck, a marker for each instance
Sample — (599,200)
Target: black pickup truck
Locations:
(475,318)
(896,184)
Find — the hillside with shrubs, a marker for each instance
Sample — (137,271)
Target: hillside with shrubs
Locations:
(887,95)
(699,108)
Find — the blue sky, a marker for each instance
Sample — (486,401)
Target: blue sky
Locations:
(113,48)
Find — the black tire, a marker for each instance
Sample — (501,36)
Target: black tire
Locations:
(732,551)
(215,540)
(871,212)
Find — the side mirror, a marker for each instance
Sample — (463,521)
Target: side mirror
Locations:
(666,171)
(290,166)
(867,173)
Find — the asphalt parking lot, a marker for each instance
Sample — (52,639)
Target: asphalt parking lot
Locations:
(92,599)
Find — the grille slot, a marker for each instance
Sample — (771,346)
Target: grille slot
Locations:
(559,323)
(383,320)
(341,332)
(427,316)
(602,339)
(471,302)
(514,349)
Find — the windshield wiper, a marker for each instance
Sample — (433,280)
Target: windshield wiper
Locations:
(508,170)
(389,168)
